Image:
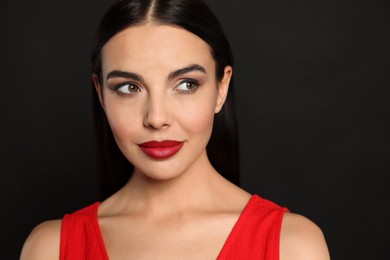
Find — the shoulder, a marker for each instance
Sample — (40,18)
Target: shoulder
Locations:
(43,242)
(302,239)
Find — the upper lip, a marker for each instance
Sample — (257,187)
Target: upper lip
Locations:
(160,144)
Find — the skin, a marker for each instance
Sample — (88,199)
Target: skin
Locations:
(178,205)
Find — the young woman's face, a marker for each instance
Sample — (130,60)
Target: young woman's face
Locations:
(160,93)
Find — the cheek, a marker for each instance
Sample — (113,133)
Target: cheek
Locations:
(197,118)
(124,120)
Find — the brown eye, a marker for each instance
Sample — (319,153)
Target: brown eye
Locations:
(128,88)
(187,86)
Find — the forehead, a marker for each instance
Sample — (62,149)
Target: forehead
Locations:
(152,45)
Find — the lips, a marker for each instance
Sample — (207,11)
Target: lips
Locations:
(161,149)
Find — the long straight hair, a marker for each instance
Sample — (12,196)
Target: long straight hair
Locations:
(114,170)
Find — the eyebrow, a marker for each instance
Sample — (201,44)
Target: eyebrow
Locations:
(124,74)
(190,68)
(172,75)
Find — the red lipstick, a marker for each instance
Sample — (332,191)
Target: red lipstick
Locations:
(161,149)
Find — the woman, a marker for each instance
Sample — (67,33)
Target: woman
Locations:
(162,71)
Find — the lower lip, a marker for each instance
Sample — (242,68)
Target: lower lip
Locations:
(162,152)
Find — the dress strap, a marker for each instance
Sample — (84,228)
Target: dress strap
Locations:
(256,234)
(80,235)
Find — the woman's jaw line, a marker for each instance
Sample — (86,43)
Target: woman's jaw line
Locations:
(194,185)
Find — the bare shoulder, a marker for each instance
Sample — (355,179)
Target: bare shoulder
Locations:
(43,242)
(302,239)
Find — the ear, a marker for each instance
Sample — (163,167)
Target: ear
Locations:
(98,88)
(223,88)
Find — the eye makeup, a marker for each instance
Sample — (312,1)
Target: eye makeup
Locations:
(187,86)
(127,88)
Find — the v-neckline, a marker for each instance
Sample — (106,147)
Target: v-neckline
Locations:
(236,228)
(232,233)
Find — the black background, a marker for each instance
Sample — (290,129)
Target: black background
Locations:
(312,78)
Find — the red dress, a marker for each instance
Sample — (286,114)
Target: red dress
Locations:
(256,234)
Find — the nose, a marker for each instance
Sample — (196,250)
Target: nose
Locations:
(157,114)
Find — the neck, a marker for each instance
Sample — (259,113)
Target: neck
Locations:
(190,189)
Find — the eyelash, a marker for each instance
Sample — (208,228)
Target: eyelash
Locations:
(130,84)
(194,84)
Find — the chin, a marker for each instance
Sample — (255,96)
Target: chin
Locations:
(160,176)
(160,170)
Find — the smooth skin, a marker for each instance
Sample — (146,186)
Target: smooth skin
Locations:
(159,83)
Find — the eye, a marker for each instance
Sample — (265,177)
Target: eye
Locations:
(187,86)
(128,88)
